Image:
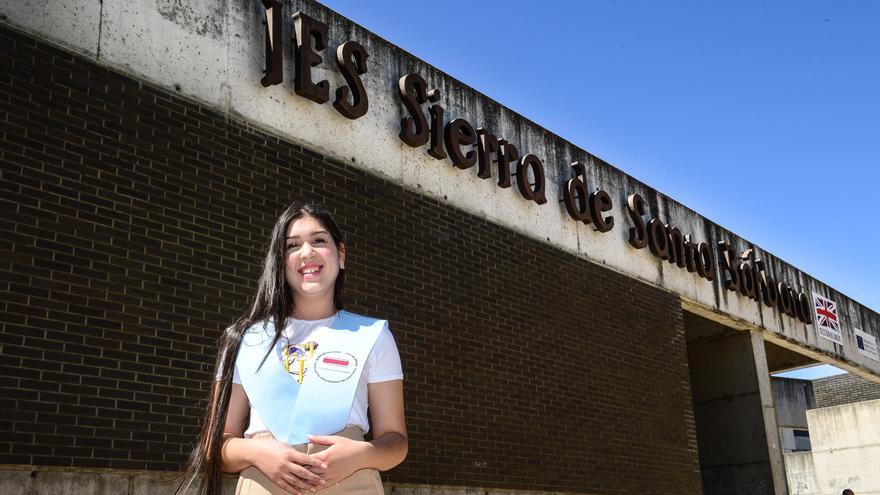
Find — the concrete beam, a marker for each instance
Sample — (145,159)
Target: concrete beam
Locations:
(783,359)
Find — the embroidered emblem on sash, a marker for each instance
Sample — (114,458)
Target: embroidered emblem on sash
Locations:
(296,357)
(335,367)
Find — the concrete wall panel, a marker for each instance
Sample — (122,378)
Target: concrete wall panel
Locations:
(792,398)
(27,482)
(801,474)
(24,480)
(845,426)
(180,45)
(736,427)
(846,448)
(730,375)
(724,424)
(738,479)
(75,24)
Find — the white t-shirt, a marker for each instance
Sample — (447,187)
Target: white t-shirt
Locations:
(383,364)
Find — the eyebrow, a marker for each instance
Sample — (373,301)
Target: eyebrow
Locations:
(313,233)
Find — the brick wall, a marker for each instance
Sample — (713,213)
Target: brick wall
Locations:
(132,226)
(844,389)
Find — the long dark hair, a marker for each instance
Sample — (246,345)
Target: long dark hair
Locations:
(273,301)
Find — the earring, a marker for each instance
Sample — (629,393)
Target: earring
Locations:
(342,264)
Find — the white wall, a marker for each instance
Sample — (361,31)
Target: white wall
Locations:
(846,451)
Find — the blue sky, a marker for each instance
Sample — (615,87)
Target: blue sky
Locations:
(762,116)
(812,372)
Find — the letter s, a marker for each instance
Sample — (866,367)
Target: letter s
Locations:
(413,91)
(351,58)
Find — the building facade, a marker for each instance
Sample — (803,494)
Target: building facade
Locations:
(546,305)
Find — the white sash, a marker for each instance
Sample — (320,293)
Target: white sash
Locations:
(320,405)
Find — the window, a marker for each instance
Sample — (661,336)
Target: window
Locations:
(801,440)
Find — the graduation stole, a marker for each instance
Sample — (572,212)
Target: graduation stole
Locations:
(321,403)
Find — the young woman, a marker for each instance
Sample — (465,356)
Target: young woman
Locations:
(296,374)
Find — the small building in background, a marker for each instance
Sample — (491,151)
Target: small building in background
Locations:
(830,433)
(793,397)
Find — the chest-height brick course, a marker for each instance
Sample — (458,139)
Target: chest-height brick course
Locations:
(131,232)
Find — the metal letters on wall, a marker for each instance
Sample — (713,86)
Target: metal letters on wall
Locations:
(465,146)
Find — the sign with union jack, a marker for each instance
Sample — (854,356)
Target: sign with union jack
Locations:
(827,321)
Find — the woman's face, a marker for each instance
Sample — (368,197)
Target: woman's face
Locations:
(311,260)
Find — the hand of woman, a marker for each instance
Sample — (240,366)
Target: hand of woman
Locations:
(340,460)
(287,467)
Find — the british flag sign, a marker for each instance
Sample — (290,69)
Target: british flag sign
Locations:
(827,320)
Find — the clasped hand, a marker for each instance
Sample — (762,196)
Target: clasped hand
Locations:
(298,473)
(289,468)
(340,460)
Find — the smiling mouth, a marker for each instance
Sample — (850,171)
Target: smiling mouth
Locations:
(310,272)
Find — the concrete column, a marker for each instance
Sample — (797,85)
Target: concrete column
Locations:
(733,408)
(765,389)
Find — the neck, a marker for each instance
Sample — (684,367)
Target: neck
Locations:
(313,310)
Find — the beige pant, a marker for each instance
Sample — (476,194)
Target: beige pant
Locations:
(364,482)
